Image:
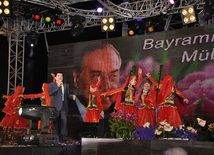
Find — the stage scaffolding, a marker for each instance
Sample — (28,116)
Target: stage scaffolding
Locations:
(16,27)
(15,62)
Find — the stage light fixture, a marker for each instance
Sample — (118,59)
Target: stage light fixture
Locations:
(140,31)
(104,20)
(136,27)
(131,32)
(32,39)
(37,17)
(108,24)
(77,25)
(99,10)
(58,21)
(150,28)
(77,29)
(35,112)
(172,2)
(139,19)
(47,19)
(188,15)
(5,8)
(208,9)
(6,3)
(28,14)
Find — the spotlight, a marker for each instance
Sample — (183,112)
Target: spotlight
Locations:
(35,112)
(208,9)
(77,29)
(140,31)
(48,19)
(37,17)
(28,13)
(136,27)
(172,2)
(43,113)
(99,10)
(188,15)
(32,39)
(139,19)
(131,32)
(5,8)
(77,25)
(58,22)
(150,27)
(108,24)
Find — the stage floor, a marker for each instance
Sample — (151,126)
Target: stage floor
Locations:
(12,148)
(99,146)
(104,146)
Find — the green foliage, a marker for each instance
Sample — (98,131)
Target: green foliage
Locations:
(122,124)
(192,68)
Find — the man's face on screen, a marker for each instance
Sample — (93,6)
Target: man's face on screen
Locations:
(104,63)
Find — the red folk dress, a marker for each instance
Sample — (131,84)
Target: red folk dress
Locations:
(146,112)
(12,122)
(44,96)
(166,99)
(125,99)
(94,105)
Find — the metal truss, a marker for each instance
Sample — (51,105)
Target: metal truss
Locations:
(123,12)
(15,62)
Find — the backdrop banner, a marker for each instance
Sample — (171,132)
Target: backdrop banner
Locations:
(186,54)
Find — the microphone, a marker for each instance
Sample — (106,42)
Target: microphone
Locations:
(61,82)
(161,67)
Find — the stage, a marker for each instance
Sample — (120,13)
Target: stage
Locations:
(147,147)
(60,149)
(104,146)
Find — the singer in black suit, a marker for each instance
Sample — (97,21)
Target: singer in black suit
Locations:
(60,94)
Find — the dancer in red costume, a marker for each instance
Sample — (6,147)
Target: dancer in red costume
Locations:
(94,107)
(12,122)
(125,95)
(166,99)
(44,96)
(146,112)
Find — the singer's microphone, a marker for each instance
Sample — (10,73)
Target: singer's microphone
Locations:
(61,83)
(161,67)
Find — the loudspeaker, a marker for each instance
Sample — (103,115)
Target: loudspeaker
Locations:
(38,139)
(88,130)
(28,139)
(103,128)
(48,139)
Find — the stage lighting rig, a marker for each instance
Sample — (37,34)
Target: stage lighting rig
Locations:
(188,15)
(208,9)
(5,8)
(77,25)
(43,113)
(32,39)
(108,24)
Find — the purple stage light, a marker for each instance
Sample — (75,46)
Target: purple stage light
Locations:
(99,9)
(171,1)
(139,19)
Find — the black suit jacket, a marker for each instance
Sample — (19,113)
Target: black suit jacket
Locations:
(56,96)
